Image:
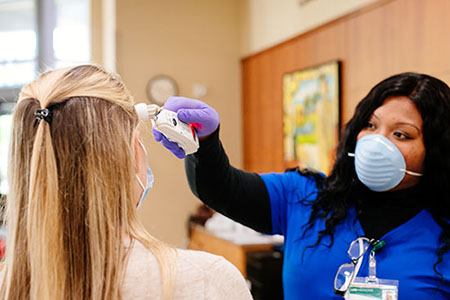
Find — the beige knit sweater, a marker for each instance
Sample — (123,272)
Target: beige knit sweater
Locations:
(199,275)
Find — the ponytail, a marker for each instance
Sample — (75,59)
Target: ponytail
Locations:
(44,223)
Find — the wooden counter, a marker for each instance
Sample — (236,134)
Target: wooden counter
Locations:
(202,240)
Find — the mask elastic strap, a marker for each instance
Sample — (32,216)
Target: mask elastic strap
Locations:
(145,151)
(140,182)
(351,154)
(411,172)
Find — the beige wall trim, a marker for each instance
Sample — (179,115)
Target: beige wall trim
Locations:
(253,42)
(109,34)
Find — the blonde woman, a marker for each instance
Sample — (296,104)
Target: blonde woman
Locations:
(78,171)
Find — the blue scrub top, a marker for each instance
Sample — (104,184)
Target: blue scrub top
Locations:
(308,272)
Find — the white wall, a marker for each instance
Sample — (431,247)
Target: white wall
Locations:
(266,23)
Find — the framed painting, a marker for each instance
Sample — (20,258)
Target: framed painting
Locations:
(311,106)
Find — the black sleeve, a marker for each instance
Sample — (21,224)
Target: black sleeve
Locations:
(239,195)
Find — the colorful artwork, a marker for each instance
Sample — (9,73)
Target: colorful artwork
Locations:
(311,116)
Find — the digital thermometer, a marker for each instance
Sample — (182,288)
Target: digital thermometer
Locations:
(167,122)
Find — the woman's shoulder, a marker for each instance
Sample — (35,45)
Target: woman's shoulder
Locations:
(217,277)
(199,275)
(142,277)
(205,264)
(198,259)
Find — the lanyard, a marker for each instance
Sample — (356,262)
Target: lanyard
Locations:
(372,261)
(371,287)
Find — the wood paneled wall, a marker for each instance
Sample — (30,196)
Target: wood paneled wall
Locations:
(382,39)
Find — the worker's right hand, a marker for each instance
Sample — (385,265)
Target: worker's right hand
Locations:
(202,116)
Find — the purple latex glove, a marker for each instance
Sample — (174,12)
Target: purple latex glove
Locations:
(203,117)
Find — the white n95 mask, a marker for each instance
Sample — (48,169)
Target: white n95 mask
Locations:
(379,164)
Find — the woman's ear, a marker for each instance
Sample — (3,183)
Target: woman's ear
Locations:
(137,153)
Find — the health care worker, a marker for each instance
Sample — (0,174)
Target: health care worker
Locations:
(381,216)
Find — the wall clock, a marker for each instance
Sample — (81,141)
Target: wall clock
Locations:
(161,87)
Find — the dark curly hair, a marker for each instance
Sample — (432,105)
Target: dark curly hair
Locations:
(432,98)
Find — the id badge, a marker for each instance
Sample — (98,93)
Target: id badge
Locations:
(380,289)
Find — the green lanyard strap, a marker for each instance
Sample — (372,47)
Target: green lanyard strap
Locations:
(377,245)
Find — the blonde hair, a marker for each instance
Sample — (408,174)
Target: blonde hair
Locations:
(71,205)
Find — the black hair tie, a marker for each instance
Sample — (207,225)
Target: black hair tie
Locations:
(45,114)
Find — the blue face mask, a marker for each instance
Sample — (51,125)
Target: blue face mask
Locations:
(379,164)
(150,179)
